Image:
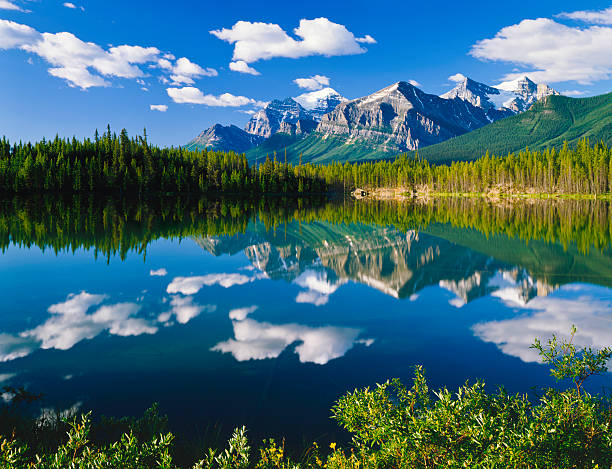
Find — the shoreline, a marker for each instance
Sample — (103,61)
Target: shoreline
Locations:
(403,194)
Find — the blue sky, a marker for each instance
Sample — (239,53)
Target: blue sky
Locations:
(64,67)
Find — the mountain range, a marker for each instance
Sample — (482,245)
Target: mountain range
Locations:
(323,126)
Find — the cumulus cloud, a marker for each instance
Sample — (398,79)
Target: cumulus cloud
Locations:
(192,95)
(71,324)
(160,108)
(240,314)
(13,347)
(590,16)
(86,64)
(184,309)
(192,285)
(242,67)
(550,51)
(255,340)
(184,71)
(367,39)
(319,287)
(457,77)
(6,5)
(72,6)
(13,35)
(313,83)
(319,36)
(589,308)
(158,272)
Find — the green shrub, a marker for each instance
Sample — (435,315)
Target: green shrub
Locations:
(392,426)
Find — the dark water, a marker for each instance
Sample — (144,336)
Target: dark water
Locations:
(263,314)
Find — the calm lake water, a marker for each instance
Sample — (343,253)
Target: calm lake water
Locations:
(264,313)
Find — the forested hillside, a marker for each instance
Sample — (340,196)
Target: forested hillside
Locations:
(549,123)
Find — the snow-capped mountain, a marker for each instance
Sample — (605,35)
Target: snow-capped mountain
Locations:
(402,117)
(268,120)
(224,138)
(479,95)
(320,102)
(508,98)
(524,93)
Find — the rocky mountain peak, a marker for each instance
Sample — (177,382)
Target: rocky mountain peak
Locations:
(268,120)
(477,94)
(403,117)
(521,94)
(320,102)
(224,138)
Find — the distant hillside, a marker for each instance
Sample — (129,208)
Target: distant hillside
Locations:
(317,148)
(548,123)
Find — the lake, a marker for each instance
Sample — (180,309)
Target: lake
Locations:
(264,312)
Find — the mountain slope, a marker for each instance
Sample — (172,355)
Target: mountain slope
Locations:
(224,138)
(548,123)
(268,120)
(320,102)
(397,118)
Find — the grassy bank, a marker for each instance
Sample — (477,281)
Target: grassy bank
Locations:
(494,194)
(392,426)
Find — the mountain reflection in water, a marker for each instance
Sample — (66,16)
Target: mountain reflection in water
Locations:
(275,308)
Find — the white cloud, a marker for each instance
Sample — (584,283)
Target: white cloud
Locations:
(14,35)
(589,308)
(319,287)
(414,83)
(313,83)
(573,93)
(160,108)
(158,272)
(165,64)
(240,314)
(367,39)
(191,95)
(550,51)
(590,16)
(192,285)
(184,309)
(242,67)
(71,324)
(72,6)
(6,5)
(75,60)
(255,340)
(13,347)
(184,71)
(86,64)
(457,77)
(261,41)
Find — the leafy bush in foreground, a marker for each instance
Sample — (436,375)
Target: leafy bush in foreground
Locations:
(397,427)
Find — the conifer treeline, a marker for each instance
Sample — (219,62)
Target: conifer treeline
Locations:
(583,169)
(117,225)
(111,163)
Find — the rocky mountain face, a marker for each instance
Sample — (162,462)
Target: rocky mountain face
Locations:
(320,102)
(479,95)
(402,117)
(526,93)
(322,256)
(508,99)
(268,120)
(224,138)
(398,118)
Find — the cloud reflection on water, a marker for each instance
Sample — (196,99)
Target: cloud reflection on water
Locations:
(590,309)
(254,340)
